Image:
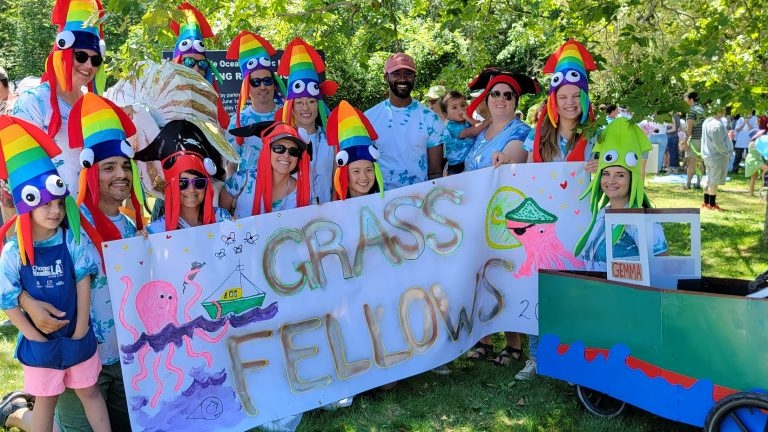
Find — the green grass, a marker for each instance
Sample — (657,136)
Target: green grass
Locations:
(483,397)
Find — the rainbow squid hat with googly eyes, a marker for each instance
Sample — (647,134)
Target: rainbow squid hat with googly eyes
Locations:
(303,65)
(350,131)
(569,65)
(101,128)
(621,143)
(79,27)
(25,160)
(252,52)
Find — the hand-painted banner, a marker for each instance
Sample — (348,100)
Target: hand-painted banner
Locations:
(228,326)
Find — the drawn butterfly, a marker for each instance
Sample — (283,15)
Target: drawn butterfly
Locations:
(238,249)
(228,240)
(250,238)
(221,254)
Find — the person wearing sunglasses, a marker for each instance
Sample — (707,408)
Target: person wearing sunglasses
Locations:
(411,136)
(74,65)
(259,93)
(281,180)
(501,142)
(189,51)
(188,162)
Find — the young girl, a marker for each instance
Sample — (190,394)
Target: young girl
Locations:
(49,261)
(462,128)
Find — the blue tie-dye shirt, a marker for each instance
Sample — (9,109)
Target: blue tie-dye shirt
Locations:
(480,154)
(249,151)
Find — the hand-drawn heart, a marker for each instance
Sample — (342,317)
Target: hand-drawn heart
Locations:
(533,177)
(577,211)
(564,184)
(141,262)
(573,173)
(168,236)
(550,197)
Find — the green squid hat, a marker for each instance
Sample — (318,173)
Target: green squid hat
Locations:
(622,144)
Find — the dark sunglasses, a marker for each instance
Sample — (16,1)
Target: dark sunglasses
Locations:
(82,57)
(521,231)
(256,82)
(198,183)
(508,95)
(292,151)
(190,62)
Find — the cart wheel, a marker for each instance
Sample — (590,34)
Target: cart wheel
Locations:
(599,404)
(744,412)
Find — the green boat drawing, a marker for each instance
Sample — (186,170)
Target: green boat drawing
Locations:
(232,300)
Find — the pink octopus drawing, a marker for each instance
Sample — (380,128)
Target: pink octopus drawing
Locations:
(157,304)
(534,228)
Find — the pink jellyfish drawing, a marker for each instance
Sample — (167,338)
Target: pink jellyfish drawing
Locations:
(534,228)
(157,304)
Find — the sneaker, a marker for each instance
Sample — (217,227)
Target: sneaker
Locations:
(339,404)
(697,186)
(686,187)
(528,371)
(716,208)
(442,370)
(706,206)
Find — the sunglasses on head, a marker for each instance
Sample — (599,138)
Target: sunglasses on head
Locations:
(257,82)
(508,95)
(292,151)
(522,230)
(82,57)
(190,62)
(198,183)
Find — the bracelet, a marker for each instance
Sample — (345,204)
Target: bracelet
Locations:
(22,296)
(435,173)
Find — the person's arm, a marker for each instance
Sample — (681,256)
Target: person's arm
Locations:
(689,128)
(43,314)
(226,200)
(26,328)
(512,153)
(435,162)
(82,322)
(474,130)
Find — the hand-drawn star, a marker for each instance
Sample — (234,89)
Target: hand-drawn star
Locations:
(210,236)
(118,267)
(125,247)
(186,250)
(150,250)
(553,175)
(239,225)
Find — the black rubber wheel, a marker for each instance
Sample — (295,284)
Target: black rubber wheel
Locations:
(744,412)
(599,404)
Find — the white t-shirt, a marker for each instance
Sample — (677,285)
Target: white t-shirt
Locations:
(405,134)
(321,168)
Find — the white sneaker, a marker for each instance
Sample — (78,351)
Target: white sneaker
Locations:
(442,370)
(528,371)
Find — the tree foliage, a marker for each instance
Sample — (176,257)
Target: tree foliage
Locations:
(649,52)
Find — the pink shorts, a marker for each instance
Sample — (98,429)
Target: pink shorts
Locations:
(52,382)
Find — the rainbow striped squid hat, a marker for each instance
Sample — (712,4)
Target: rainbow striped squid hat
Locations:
(79,27)
(191,34)
(101,128)
(569,65)
(25,160)
(303,66)
(351,131)
(252,52)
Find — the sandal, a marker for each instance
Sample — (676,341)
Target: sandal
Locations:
(480,351)
(506,356)
(8,406)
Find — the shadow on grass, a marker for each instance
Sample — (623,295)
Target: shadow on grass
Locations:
(8,334)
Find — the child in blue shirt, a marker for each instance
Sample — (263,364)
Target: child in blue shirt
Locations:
(462,128)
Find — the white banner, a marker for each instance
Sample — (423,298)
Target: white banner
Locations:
(228,326)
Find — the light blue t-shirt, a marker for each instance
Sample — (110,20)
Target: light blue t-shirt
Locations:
(405,134)
(10,264)
(528,146)
(102,317)
(249,151)
(158,226)
(480,154)
(594,253)
(456,148)
(242,185)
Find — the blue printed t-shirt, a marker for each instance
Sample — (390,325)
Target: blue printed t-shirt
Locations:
(102,317)
(456,148)
(405,134)
(321,168)
(34,106)
(594,254)
(479,156)
(10,264)
(563,142)
(249,151)
(242,185)
(158,226)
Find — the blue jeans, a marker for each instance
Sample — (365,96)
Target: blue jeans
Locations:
(673,149)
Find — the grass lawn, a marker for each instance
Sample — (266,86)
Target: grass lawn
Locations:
(483,397)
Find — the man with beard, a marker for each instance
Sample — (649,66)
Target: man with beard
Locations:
(411,136)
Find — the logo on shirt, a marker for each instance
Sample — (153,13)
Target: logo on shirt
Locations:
(53,271)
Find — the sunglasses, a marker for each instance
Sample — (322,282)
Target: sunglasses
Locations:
(198,183)
(508,95)
(190,62)
(403,74)
(292,151)
(257,82)
(521,231)
(82,57)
